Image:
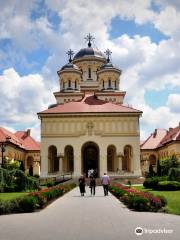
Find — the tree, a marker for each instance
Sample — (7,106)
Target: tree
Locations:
(31,170)
(151,170)
(158,168)
(22,166)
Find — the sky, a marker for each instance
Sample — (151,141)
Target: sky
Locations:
(143,35)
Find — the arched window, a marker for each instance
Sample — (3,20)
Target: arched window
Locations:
(103,83)
(109,83)
(75,84)
(29,162)
(152,159)
(111,158)
(89,72)
(127,159)
(63,85)
(115,84)
(68,164)
(69,83)
(53,159)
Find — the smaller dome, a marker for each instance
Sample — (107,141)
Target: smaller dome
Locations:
(107,65)
(70,66)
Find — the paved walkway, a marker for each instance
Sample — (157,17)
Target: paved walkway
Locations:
(72,217)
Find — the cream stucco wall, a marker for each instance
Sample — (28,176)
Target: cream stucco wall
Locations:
(104,131)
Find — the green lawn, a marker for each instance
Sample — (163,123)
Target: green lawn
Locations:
(173,199)
(9,196)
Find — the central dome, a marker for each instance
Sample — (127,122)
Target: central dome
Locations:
(89,52)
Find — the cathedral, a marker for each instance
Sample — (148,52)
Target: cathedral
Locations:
(89,127)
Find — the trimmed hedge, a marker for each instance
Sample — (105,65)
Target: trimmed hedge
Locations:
(153,182)
(174,174)
(34,201)
(168,186)
(137,200)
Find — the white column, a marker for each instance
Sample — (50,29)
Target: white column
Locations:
(44,165)
(120,162)
(77,161)
(60,157)
(136,166)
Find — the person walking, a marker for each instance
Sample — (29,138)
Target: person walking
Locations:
(82,183)
(92,185)
(105,181)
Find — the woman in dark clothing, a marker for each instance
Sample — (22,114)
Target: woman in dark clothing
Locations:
(92,185)
(82,185)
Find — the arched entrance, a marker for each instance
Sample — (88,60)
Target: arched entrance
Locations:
(90,157)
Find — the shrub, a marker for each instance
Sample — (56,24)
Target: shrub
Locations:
(33,201)
(16,180)
(136,199)
(138,203)
(168,186)
(174,174)
(168,163)
(153,182)
(50,184)
(117,191)
(163,200)
(28,203)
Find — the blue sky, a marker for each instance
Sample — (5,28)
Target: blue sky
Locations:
(143,35)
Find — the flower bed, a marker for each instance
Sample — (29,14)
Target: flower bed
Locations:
(34,201)
(137,200)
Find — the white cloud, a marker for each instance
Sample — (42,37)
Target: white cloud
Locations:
(145,65)
(22,97)
(173,102)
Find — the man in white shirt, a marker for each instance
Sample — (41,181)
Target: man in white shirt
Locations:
(105,180)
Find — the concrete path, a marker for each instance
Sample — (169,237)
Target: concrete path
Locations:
(72,217)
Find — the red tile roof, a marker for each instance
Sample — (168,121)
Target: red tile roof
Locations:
(4,133)
(161,137)
(28,142)
(20,138)
(154,139)
(172,135)
(90,104)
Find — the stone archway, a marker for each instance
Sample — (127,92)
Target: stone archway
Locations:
(152,160)
(68,161)
(111,158)
(127,159)
(53,159)
(90,157)
(29,162)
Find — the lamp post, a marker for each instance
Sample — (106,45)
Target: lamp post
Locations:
(3,149)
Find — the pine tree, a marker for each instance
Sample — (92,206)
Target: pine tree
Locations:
(158,168)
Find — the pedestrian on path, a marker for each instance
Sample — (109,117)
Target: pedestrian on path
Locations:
(82,183)
(105,181)
(92,185)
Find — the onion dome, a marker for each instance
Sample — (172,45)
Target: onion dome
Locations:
(69,66)
(108,65)
(89,52)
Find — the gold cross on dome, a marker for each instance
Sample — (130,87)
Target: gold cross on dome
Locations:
(70,54)
(89,38)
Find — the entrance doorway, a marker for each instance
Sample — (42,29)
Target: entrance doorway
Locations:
(90,157)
